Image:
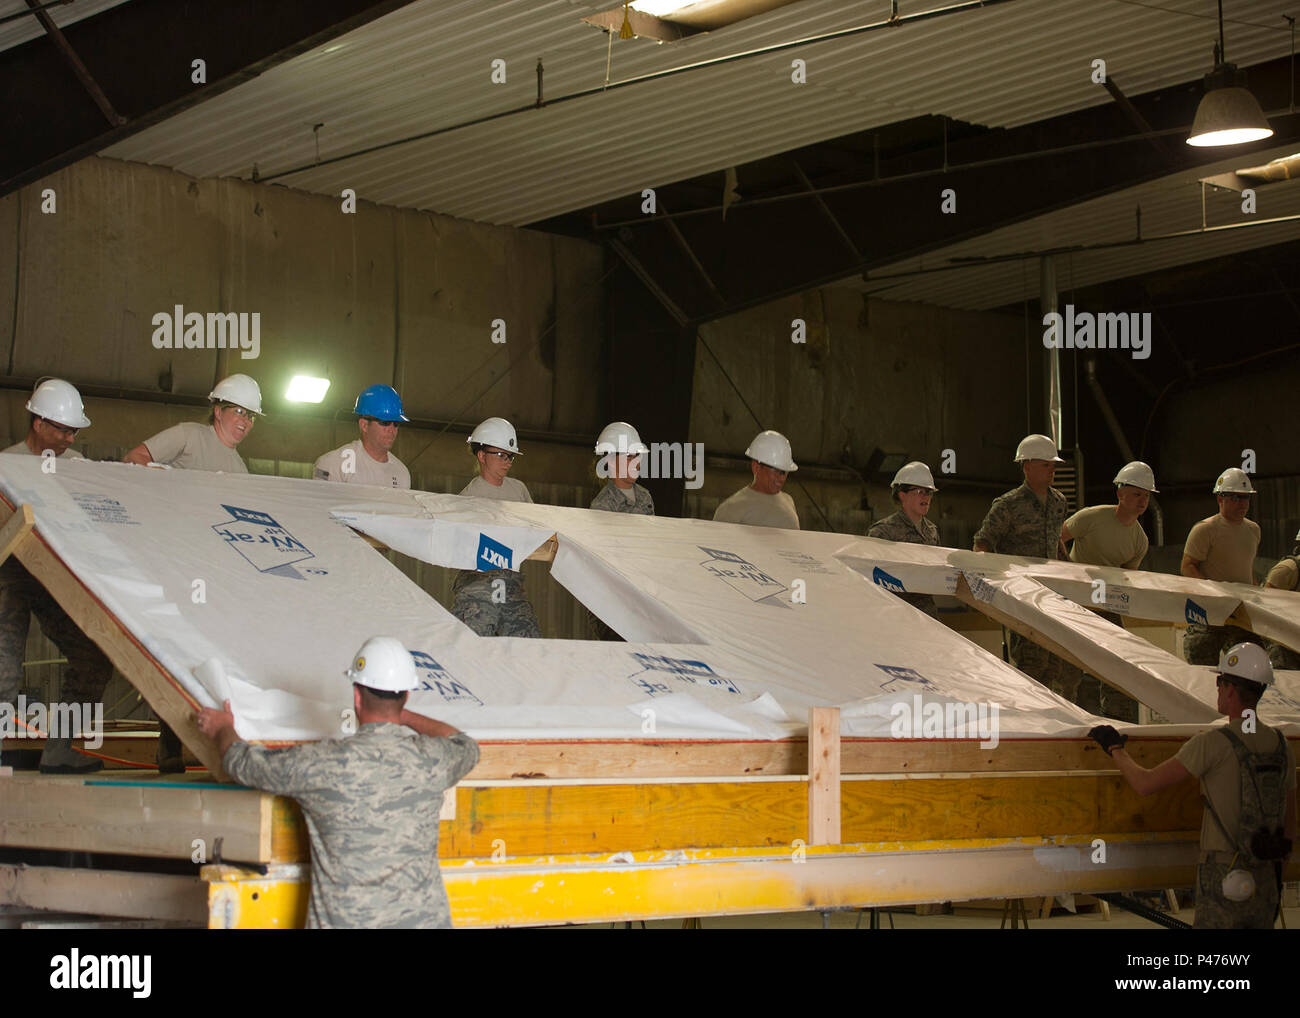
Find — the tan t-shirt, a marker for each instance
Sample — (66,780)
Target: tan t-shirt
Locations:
(21,449)
(1225,551)
(1101,540)
(510,490)
(1210,757)
(1283,575)
(361,468)
(758,510)
(193,446)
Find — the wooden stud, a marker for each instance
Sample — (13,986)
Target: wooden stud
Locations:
(824,776)
(15,530)
(161,896)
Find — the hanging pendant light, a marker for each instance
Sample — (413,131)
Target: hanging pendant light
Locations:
(1228,114)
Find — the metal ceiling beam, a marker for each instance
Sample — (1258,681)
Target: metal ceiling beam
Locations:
(49,120)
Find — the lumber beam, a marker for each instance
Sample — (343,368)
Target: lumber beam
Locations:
(163,693)
(15,530)
(161,896)
(824,776)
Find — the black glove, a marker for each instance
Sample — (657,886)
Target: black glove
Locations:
(1108,739)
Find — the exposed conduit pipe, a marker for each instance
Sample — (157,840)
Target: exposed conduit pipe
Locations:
(1112,422)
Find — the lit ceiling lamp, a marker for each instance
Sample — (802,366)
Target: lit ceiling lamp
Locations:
(1228,114)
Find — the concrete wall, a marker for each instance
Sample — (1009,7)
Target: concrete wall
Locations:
(385,295)
(872,374)
(1203,429)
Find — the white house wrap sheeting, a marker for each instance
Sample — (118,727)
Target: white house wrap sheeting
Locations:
(258,585)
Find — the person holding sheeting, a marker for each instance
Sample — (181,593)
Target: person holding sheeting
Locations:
(369,459)
(1027,521)
(235,403)
(763,503)
(493,602)
(57,414)
(1222,547)
(1285,576)
(371,800)
(618,458)
(911,489)
(1110,535)
(1248,784)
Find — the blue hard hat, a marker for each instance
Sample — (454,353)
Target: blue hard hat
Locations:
(380,402)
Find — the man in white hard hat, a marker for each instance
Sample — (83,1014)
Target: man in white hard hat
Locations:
(1027,521)
(236,402)
(763,503)
(1248,782)
(1221,547)
(371,800)
(493,602)
(1110,535)
(57,415)
(369,459)
(618,458)
(911,490)
(1285,576)
(236,405)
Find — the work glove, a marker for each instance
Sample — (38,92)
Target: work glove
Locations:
(1108,739)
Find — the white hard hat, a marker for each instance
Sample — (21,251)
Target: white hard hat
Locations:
(239,390)
(914,474)
(1037,447)
(1239,885)
(1247,661)
(622,438)
(497,432)
(772,449)
(60,402)
(383,663)
(1139,475)
(1234,481)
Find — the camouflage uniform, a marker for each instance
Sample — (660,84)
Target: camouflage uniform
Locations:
(371,803)
(1019,524)
(898,526)
(611,499)
(1215,912)
(1279,655)
(510,615)
(21,596)
(1202,645)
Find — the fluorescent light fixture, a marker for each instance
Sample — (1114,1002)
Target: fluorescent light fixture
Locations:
(307,389)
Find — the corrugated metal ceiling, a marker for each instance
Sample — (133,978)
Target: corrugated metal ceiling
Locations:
(21,30)
(1168,205)
(428,66)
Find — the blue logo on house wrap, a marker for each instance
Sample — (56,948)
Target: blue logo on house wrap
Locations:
(742,575)
(492,555)
(888,582)
(1196,614)
(262,542)
(435,678)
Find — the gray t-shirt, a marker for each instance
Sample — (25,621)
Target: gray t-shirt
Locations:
(759,510)
(361,468)
(20,448)
(371,803)
(510,490)
(193,446)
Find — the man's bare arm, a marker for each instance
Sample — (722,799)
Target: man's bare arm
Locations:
(1191,567)
(139,455)
(428,726)
(1148,782)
